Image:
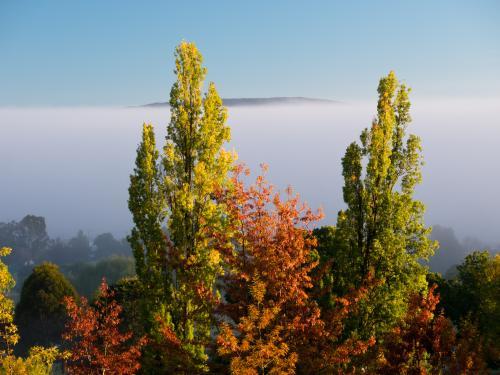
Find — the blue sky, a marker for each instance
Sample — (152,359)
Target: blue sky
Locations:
(57,53)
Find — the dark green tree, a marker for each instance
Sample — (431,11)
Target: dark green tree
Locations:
(474,296)
(40,314)
(324,280)
(128,293)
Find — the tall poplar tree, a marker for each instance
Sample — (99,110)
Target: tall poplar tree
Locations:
(382,233)
(182,266)
(148,241)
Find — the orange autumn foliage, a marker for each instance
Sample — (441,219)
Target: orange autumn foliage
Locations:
(469,355)
(426,342)
(175,357)
(272,323)
(262,346)
(93,337)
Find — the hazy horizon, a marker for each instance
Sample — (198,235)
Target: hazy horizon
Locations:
(72,164)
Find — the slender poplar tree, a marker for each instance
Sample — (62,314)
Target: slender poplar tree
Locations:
(181,265)
(382,233)
(148,241)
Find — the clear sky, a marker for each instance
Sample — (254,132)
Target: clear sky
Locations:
(103,52)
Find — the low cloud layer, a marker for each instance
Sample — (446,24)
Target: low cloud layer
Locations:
(72,165)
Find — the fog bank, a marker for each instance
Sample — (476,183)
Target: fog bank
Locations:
(72,165)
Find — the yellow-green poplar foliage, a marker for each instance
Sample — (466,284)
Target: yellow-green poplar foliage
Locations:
(8,330)
(147,238)
(194,164)
(182,266)
(382,234)
(39,362)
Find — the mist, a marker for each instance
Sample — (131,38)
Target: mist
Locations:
(72,165)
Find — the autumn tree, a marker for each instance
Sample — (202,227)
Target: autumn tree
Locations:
(261,346)
(470,351)
(425,342)
(179,271)
(421,342)
(382,231)
(95,341)
(272,323)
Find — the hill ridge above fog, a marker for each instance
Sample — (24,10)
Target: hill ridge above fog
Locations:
(276,100)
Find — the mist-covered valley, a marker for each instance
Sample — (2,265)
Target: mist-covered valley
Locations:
(71,165)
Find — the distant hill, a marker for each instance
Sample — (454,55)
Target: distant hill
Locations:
(280,100)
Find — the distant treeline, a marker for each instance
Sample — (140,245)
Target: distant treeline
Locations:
(452,251)
(83,260)
(81,255)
